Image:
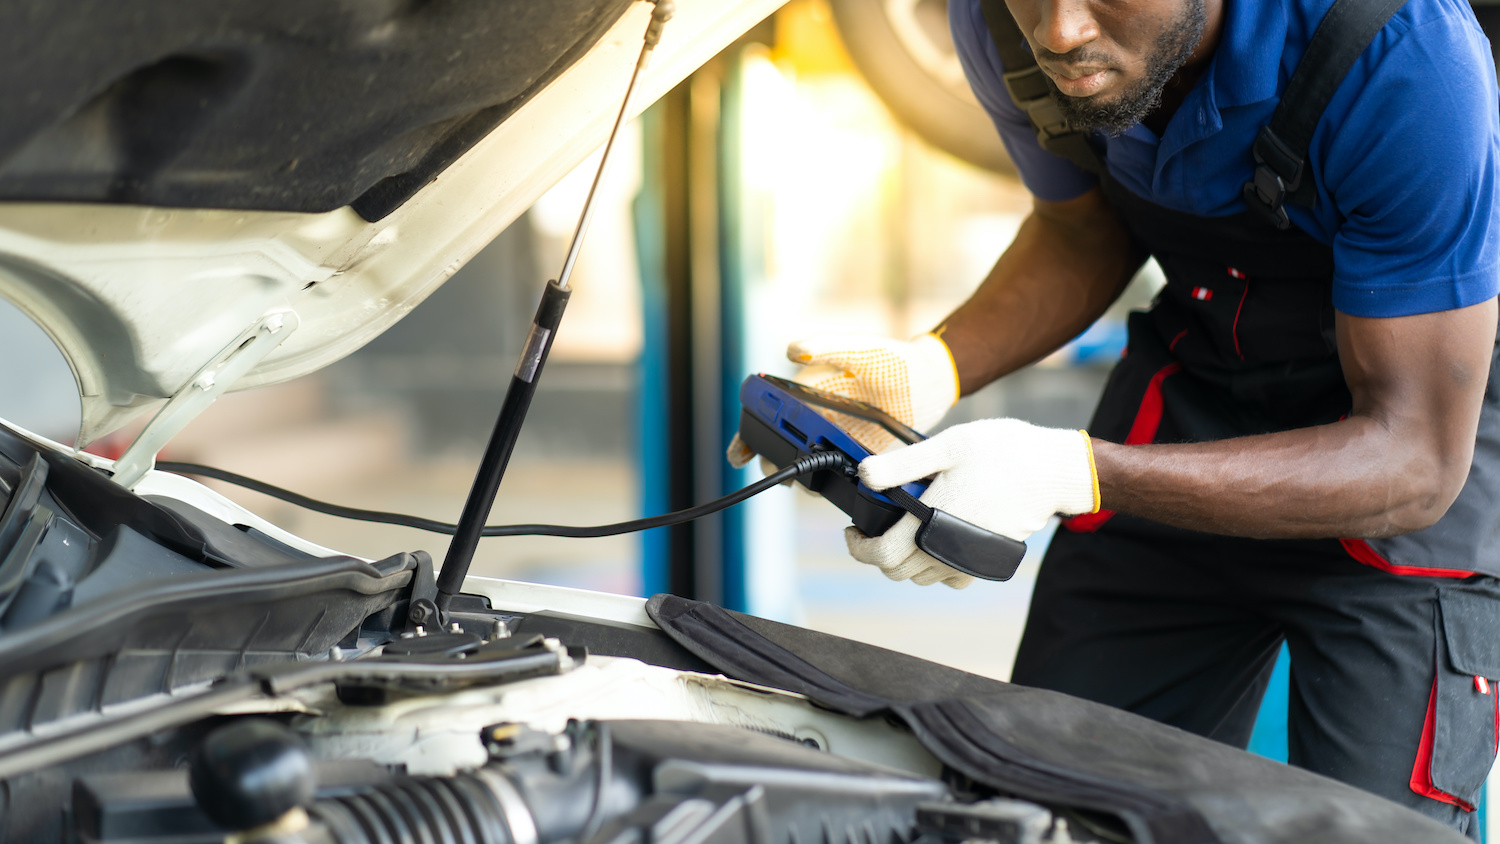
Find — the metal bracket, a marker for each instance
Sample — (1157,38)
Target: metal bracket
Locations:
(219,374)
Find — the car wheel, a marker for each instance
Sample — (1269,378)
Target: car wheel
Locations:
(904,50)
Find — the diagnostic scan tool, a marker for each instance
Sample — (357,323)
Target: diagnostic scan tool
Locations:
(779,421)
(783,421)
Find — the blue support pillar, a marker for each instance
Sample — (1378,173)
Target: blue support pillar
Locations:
(653,432)
(682,429)
(700,245)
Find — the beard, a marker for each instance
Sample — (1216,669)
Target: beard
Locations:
(1129,107)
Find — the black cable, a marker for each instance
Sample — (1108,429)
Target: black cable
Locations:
(822,461)
(303,501)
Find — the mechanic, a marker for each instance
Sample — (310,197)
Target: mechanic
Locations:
(1300,443)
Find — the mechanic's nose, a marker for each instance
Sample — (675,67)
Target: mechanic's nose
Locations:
(1065,25)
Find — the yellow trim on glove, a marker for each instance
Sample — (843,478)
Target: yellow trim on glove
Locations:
(1088,445)
(937,334)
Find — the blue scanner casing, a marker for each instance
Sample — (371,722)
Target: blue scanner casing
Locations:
(779,420)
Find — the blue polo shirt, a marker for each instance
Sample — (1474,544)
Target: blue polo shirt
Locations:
(1405,157)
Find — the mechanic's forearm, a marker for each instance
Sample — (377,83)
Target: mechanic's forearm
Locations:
(1393,466)
(1069,261)
(1328,481)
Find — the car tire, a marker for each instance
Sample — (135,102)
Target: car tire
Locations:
(905,52)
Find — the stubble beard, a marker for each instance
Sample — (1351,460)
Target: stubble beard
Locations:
(1128,108)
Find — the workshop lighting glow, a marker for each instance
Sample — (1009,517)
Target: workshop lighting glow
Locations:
(766,94)
(825,155)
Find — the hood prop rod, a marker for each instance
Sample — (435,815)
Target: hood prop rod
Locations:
(533,357)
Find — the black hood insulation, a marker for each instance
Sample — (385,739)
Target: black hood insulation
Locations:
(1164,785)
(270,105)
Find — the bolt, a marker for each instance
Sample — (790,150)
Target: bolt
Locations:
(421,612)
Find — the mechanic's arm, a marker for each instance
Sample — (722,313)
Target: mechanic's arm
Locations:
(1393,466)
(1068,263)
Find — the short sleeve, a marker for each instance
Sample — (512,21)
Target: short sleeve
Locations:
(1047,176)
(1410,166)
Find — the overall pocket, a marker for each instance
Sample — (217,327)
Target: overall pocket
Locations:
(1463,714)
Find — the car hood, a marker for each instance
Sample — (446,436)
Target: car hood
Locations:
(176,176)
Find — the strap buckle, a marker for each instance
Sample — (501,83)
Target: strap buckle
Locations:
(1265,194)
(1278,172)
(1028,89)
(1025,85)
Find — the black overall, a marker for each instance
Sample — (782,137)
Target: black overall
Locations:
(1392,664)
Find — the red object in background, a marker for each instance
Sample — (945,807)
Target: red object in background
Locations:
(112,446)
(109,446)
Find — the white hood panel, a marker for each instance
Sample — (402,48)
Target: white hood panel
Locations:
(139,299)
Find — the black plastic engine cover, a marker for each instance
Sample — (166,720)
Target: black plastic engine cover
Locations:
(107,597)
(278,105)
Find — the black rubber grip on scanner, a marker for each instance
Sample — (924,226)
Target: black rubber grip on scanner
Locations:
(960,544)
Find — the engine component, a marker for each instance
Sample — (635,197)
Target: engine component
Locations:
(617,782)
(468,807)
(597,782)
(998,820)
(363,681)
(250,773)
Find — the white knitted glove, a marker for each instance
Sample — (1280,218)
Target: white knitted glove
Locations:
(914,381)
(1004,475)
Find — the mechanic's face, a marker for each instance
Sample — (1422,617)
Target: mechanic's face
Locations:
(1109,61)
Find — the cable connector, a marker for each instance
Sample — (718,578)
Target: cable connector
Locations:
(822,461)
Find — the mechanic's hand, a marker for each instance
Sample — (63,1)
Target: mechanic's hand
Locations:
(1004,475)
(914,381)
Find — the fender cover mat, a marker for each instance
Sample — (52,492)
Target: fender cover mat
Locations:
(1165,785)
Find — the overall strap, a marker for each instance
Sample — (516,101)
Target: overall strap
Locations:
(1281,147)
(1028,89)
